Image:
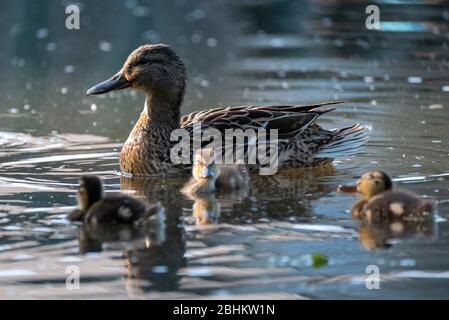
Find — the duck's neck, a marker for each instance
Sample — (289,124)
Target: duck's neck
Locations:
(148,146)
(161,112)
(156,123)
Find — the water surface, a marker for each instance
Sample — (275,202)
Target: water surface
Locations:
(255,244)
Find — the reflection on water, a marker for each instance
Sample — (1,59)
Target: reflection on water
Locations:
(206,209)
(153,255)
(375,236)
(251,244)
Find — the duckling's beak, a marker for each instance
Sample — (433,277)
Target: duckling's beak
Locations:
(207,172)
(117,82)
(349,189)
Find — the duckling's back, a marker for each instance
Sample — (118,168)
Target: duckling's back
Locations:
(396,205)
(116,209)
(232,177)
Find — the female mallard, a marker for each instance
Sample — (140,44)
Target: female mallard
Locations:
(209,177)
(157,70)
(96,209)
(380,202)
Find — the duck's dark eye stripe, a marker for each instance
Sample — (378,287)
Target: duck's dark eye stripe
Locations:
(142,61)
(145,61)
(157,61)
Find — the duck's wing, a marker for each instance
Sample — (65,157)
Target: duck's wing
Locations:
(288,120)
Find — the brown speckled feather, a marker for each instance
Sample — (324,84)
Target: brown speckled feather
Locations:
(147,150)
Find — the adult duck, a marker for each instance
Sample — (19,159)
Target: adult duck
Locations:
(161,74)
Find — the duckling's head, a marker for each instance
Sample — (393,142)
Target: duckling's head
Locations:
(370,184)
(204,168)
(374,182)
(154,68)
(90,191)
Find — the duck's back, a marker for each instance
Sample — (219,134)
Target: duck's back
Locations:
(301,141)
(116,209)
(396,205)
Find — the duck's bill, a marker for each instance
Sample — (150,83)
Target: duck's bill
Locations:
(117,82)
(349,189)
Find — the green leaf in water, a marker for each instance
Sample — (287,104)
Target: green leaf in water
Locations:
(319,260)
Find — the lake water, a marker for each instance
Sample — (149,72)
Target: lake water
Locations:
(257,244)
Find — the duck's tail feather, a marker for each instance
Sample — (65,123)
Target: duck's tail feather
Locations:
(347,141)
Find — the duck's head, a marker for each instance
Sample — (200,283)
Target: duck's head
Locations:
(90,191)
(204,167)
(370,184)
(153,68)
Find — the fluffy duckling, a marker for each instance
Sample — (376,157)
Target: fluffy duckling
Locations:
(209,177)
(97,209)
(381,202)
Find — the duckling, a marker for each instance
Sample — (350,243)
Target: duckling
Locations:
(381,202)
(97,209)
(209,177)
